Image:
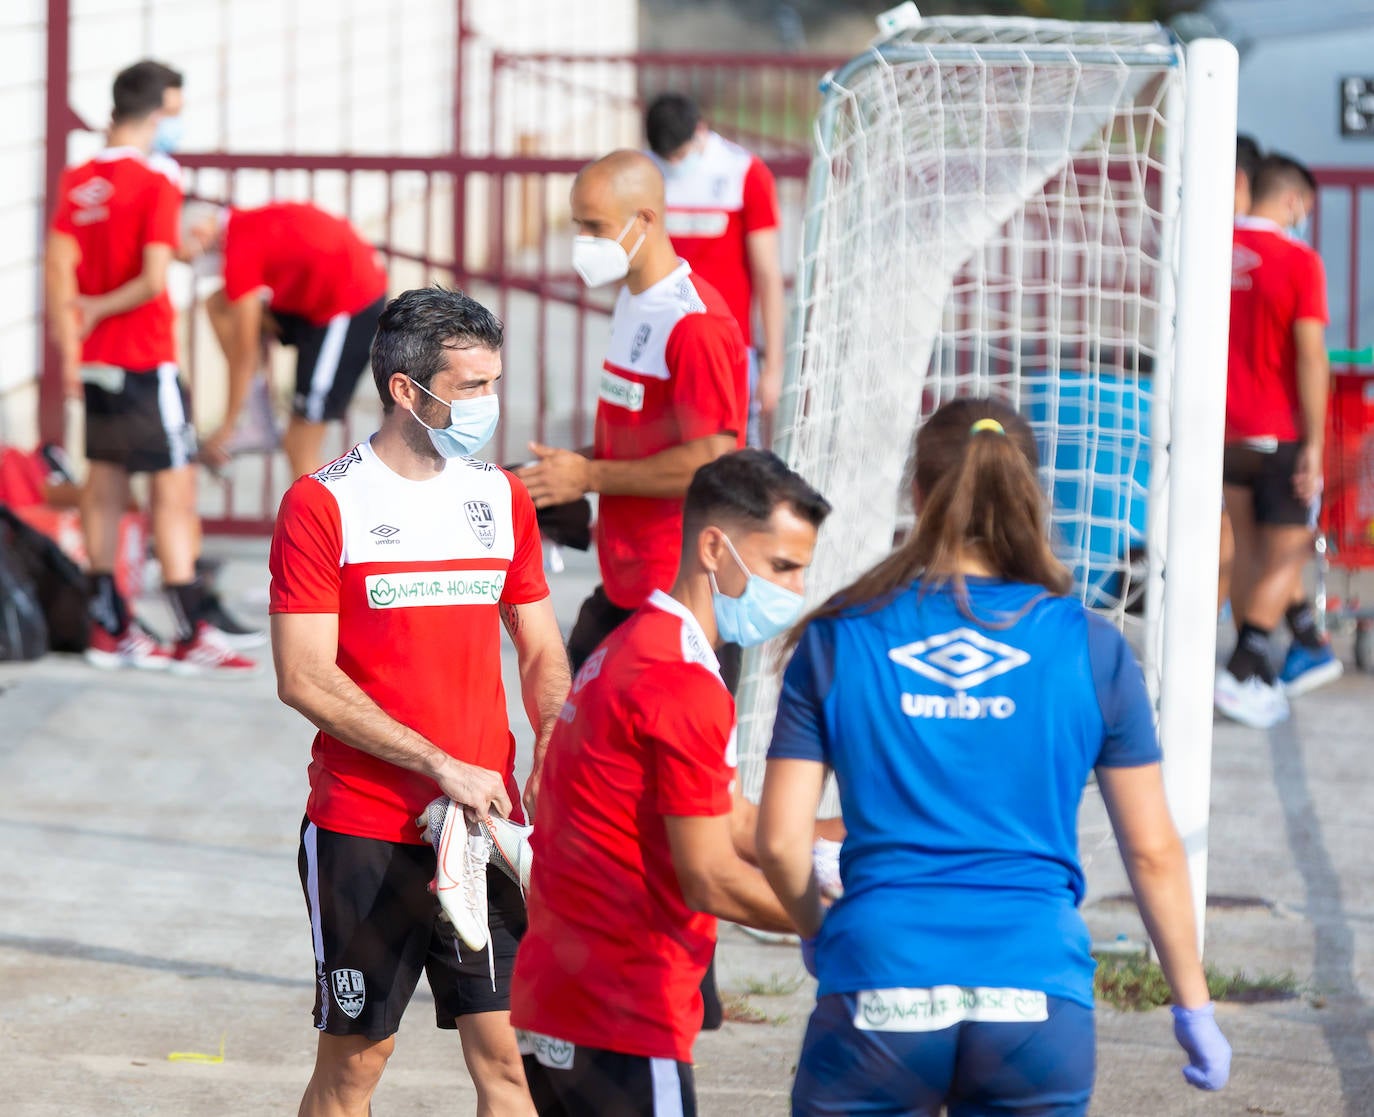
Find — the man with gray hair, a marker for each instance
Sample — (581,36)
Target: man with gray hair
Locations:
(393,568)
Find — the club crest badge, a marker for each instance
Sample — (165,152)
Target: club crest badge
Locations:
(350,990)
(482,522)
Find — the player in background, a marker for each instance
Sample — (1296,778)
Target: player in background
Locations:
(294,272)
(1276,401)
(114,231)
(1248,156)
(962,699)
(722,217)
(1309,662)
(393,570)
(673,394)
(634,857)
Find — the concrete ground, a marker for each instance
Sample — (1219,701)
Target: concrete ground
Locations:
(151,919)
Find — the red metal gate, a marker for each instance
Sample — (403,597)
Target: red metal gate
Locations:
(489,214)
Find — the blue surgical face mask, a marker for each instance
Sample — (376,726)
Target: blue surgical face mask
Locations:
(167,138)
(471,424)
(764,610)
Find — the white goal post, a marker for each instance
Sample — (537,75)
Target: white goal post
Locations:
(1039,211)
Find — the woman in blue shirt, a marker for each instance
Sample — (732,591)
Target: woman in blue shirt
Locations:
(962,699)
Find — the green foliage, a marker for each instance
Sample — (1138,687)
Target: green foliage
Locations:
(1132,983)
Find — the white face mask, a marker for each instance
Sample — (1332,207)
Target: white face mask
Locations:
(600,260)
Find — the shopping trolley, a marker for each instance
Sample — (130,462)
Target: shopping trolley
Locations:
(1345,537)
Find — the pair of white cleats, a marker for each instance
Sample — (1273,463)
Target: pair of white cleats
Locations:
(464,846)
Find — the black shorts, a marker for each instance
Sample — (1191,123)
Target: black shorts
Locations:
(138,419)
(600,616)
(1268,476)
(330,359)
(375,926)
(568,1081)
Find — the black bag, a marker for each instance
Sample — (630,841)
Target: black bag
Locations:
(61,587)
(23,632)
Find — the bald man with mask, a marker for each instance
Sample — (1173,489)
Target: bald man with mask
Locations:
(674,395)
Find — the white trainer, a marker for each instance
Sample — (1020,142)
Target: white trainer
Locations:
(462,849)
(510,849)
(1254,702)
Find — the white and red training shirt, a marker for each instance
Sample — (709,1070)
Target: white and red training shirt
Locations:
(676,370)
(713,204)
(613,957)
(114,206)
(415,571)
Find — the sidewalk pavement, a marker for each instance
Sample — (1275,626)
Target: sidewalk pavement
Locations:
(152,919)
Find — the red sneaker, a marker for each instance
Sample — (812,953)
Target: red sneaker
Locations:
(206,654)
(131,648)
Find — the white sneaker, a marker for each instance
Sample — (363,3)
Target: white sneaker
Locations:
(460,878)
(510,849)
(1254,702)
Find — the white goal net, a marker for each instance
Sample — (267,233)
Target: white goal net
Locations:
(992,211)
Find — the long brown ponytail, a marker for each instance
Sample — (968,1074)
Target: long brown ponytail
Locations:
(979,497)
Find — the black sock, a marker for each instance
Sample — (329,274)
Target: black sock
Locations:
(1251,656)
(1302,621)
(107,606)
(187,602)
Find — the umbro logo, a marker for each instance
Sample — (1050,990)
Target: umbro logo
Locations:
(960,659)
(385,533)
(93,192)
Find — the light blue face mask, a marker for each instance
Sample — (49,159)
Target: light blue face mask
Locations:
(167,138)
(471,424)
(761,612)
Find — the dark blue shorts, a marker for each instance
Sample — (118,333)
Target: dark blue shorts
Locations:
(1042,1069)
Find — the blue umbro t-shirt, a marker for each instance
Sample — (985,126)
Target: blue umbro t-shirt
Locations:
(961,749)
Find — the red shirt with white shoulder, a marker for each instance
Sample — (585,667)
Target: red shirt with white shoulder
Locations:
(1276,281)
(676,370)
(416,572)
(613,957)
(115,206)
(316,265)
(713,203)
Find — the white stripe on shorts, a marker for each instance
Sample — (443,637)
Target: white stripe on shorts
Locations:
(173,412)
(326,366)
(310,839)
(667,1088)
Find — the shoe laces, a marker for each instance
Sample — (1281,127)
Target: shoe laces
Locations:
(476,857)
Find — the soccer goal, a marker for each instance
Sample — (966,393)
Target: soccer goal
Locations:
(995,208)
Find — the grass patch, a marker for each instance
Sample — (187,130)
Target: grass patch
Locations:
(774,985)
(741,1010)
(1135,984)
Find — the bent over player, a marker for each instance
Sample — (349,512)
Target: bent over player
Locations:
(392,570)
(635,810)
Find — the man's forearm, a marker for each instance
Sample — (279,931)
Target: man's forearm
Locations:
(740,894)
(665,474)
(544,684)
(1314,386)
(771,312)
(331,701)
(129,296)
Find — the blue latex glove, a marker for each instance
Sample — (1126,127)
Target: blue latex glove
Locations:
(809,955)
(1209,1055)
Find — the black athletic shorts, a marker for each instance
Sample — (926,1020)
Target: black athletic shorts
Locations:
(375,927)
(1268,475)
(138,420)
(330,359)
(568,1081)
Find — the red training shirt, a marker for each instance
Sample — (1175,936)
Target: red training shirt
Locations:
(1276,281)
(415,571)
(613,957)
(713,204)
(676,370)
(114,206)
(316,265)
